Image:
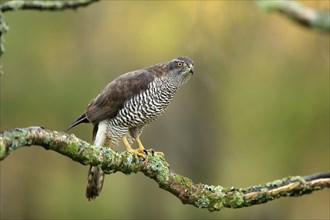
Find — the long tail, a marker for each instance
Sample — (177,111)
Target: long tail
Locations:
(95,176)
(95,182)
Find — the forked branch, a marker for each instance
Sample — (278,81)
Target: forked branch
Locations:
(213,198)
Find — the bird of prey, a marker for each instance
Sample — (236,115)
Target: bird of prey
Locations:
(127,104)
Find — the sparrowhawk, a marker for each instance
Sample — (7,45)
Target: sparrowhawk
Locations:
(127,104)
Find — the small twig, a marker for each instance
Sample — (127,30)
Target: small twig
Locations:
(44,5)
(299,13)
(213,198)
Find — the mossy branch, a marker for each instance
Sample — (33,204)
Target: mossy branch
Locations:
(213,198)
(308,17)
(42,5)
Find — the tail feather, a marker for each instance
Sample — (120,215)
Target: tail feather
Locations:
(95,182)
(81,119)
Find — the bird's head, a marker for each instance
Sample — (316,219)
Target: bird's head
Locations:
(181,68)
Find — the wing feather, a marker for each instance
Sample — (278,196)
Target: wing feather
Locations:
(113,97)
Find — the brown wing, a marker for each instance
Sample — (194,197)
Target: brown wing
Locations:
(113,97)
(108,103)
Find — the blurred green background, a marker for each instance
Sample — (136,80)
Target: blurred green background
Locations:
(256,109)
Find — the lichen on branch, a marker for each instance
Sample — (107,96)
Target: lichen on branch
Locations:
(296,11)
(213,198)
(56,5)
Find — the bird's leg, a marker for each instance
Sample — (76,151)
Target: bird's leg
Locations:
(141,148)
(139,151)
(140,145)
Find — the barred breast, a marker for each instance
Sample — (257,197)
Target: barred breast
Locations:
(146,106)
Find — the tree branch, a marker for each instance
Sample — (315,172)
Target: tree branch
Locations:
(213,198)
(44,5)
(304,16)
(14,5)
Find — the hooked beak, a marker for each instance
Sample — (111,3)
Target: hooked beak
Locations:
(191,69)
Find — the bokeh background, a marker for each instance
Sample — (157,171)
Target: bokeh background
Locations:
(256,109)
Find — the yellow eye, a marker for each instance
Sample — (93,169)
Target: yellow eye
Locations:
(180,64)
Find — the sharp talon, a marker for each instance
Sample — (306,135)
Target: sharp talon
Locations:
(143,158)
(145,151)
(153,152)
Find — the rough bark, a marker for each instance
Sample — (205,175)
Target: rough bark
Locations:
(213,198)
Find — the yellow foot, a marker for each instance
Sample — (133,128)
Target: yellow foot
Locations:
(140,151)
(154,152)
(149,150)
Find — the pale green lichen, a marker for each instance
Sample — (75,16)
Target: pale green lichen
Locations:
(206,196)
(71,149)
(3,147)
(234,199)
(159,170)
(186,182)
(216,206)
(3,29)
(47,140)
(202,202)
